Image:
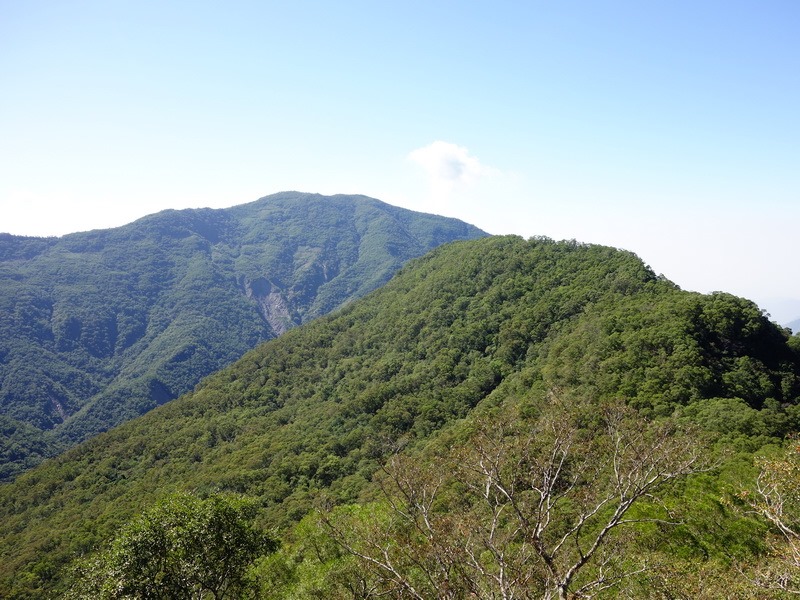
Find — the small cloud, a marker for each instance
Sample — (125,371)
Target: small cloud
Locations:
(449,165)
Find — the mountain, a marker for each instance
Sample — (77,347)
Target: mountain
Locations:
(794,325)
(99,327)
(473,330)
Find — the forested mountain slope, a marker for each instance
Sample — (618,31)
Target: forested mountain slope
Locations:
(99,327)
(472,328)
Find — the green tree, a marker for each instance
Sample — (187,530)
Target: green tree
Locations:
(183,548)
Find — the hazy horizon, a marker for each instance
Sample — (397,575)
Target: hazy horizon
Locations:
(670,131)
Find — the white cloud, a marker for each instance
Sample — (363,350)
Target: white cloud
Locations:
(449,166)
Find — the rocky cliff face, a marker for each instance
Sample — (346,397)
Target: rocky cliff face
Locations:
(273,304)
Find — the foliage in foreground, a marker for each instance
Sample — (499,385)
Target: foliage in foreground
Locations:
(544,502)
(776,497)
(184,547)
(526,508)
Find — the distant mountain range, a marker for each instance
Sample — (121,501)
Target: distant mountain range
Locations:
(102,326)
(783,310)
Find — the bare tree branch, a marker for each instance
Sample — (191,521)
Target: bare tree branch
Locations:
(525,509)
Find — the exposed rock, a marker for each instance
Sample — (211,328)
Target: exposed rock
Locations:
(272,304)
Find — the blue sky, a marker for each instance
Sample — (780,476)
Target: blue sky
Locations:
(670,129)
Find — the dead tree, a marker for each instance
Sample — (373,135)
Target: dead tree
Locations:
(527,508)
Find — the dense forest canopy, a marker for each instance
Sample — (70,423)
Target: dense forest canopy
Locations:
(99,327)
(338,428)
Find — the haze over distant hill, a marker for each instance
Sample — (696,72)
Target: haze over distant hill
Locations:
(99,327)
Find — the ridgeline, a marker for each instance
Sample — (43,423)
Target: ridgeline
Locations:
(472,333)
(102,326)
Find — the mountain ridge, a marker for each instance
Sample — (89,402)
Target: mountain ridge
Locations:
(470,328)
(101,326)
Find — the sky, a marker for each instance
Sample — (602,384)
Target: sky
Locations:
(671,129)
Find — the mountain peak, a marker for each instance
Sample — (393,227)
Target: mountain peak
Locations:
(127,318)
